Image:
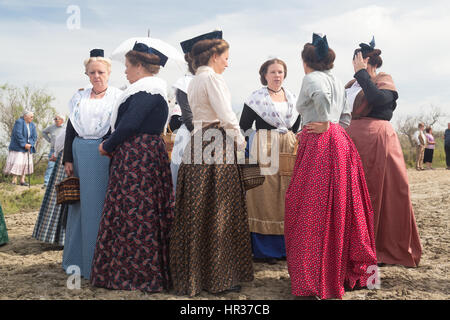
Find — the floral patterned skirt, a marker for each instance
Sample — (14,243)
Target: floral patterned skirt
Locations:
(210,246)
(133,239)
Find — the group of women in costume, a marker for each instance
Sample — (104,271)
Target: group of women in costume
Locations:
(147,223)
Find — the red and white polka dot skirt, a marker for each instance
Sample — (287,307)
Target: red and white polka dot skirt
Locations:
(329,218)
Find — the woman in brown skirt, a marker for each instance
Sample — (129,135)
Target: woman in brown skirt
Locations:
(373,97)
(210,239)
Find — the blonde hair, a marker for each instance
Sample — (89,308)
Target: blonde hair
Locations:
(105,61)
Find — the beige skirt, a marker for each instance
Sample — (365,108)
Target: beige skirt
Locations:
(18,163)
(265,204)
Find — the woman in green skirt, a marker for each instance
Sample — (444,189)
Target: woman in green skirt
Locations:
(3,232)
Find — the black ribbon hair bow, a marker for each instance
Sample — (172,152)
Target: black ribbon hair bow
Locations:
(321,45)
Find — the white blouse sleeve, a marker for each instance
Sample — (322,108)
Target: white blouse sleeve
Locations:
(346,115)
(220,99)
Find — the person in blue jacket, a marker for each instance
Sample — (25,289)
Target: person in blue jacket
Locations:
(21,148)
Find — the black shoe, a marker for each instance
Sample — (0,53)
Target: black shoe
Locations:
(24,184)
(265,260)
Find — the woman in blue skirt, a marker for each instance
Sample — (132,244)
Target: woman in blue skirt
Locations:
(89,122)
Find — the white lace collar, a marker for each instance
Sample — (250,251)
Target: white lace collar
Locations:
(91,117)
(262,104)
(152,85)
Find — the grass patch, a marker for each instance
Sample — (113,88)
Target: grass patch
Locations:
(15,199)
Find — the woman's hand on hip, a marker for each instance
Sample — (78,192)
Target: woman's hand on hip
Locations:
(317,127)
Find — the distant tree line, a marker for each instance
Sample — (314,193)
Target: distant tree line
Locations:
(14,100)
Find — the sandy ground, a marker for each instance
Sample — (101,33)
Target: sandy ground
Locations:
(30,269)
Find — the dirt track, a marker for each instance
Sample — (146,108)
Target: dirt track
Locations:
(30,269)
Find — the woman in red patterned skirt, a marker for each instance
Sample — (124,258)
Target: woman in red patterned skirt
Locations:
(133,238)
(329,218)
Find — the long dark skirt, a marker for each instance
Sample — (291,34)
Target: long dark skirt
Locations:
(133,239)
(428,155)
(210,247)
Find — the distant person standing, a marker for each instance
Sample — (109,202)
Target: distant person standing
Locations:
(447,146)
(50,133)
(429,148)
(21,148)
(420,139)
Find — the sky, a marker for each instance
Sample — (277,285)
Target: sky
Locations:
(43,46)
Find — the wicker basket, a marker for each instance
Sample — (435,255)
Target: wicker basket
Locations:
(251,174)
(68,190)
(169,140)
(287,161)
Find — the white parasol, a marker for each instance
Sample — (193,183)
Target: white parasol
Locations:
(171,52)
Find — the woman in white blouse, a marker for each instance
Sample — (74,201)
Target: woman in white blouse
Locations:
(210,235)
(89,121)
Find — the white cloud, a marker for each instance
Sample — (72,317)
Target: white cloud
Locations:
(411,37)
